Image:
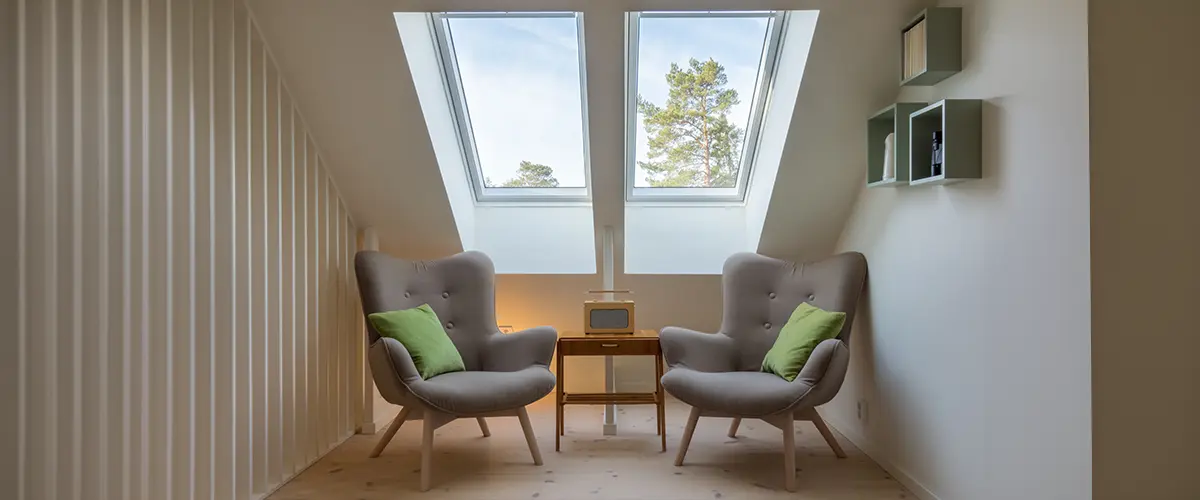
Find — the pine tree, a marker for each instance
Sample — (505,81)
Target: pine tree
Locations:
(531,174)
(692,143)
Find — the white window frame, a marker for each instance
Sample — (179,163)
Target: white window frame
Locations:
(448,63)
(766,77)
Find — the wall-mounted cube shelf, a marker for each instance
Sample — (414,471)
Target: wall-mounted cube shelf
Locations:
(890,120)
(960,123)
(931,46)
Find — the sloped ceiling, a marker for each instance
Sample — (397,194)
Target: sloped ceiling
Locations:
(345,66)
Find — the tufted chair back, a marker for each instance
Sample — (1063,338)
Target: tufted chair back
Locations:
(760,294)
(459,288)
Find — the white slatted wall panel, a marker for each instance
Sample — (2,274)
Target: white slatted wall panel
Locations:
(185,314)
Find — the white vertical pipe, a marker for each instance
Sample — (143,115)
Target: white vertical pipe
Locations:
(610,383)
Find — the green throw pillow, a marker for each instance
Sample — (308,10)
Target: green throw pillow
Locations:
(807,327)
(421,332)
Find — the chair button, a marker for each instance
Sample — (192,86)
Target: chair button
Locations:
(449,324)
(767,326)
(406,295)
(445,295)
(811,296)
(771,295)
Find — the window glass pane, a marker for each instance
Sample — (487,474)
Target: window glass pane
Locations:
(521,86)
(696,81)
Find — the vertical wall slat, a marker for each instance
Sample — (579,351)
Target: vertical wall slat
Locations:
(329,287)
(182,333)
(273,262)
(300,274)
(336,331)
(182,258)
(349,400)
(59,270)
(224,187)
(16,28)
(113,230)
(12,283)
(38,456)
(203,227)
(243,263)
(288,295)
(141,213)
(130,478)
(90,256)
(316,376)
(159,247)
(16,475)
(257,241)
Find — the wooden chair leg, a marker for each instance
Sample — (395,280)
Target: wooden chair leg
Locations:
(483,427)
(390,432)
(687,435)
(733,427)
(427,451)
(530,438)
(789,453)
(825,433)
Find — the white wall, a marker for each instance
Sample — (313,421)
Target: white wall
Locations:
(1145,103)
(536,239)
(675,239)
(188,325)
(972,349)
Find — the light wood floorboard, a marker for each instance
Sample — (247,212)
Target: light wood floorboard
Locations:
(592,466)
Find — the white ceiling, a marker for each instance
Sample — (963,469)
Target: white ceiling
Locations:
(344,65)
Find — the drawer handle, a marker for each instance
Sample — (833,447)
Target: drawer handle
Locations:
(608,345)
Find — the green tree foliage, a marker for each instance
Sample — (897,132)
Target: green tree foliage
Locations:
(531,174)
(692,143)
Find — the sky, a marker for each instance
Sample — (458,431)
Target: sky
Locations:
(520,77)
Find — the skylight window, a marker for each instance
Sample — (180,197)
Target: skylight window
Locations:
(697,87)
(516,84)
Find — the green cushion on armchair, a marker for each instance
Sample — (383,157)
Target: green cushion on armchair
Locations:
(420,332)
(807,327)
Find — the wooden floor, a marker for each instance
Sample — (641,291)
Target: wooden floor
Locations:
(593,466)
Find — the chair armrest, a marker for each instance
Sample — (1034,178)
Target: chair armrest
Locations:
(703,352)
(392,369)
(824,372)
(519,350)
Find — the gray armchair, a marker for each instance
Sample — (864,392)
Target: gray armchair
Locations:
(718,374)
(504,373)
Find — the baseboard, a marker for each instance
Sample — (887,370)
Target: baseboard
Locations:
(899,474)
(376,426)
(287,479)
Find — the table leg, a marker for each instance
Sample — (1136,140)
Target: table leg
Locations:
(662,400)
(560,426)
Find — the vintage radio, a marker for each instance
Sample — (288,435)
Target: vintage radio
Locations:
(608,316)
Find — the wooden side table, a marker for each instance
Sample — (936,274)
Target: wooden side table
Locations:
(641,343)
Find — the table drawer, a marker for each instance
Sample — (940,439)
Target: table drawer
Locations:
(608,347)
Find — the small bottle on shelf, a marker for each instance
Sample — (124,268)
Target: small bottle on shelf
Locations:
(936,167)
